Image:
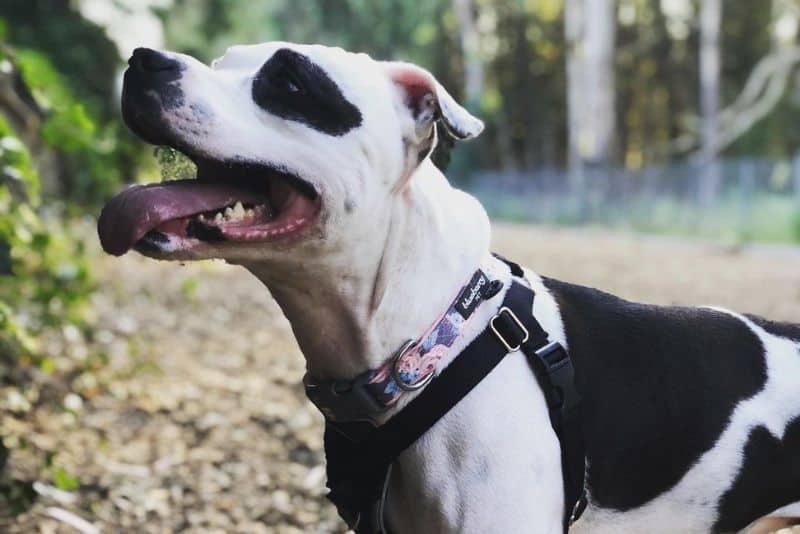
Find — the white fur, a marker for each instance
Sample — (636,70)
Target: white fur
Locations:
(380,271)
(465,458)
(545,309)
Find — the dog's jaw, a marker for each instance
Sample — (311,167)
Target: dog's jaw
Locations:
(353,306)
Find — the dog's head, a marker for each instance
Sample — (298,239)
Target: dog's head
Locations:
(295,145)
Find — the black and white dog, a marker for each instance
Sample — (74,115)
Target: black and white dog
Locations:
(313,173)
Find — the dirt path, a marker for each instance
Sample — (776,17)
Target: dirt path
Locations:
(205,428)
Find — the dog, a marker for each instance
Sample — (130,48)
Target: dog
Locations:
(314,173)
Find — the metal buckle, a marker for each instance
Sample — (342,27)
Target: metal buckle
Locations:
(396,372)
(497,333)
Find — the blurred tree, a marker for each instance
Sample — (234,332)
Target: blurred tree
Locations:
(77,48)
(470,43)
(710,22)
(589,28)
(635,66)
(82,150)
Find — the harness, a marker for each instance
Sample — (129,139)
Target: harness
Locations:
(360,453)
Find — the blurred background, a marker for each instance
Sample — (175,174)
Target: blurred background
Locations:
(646,147)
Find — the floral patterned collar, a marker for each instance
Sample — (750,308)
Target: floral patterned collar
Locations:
(415,363)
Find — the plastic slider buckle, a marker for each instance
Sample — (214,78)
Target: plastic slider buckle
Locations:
(560,374)
(344,401)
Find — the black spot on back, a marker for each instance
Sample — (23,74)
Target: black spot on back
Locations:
(787,330)
(659,385)
(292,86)
(769,478)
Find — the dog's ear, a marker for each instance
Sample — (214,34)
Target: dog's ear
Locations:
(428,101)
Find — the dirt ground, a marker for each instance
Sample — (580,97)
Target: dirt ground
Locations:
(204,427)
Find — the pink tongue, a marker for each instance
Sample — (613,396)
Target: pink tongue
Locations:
(127,217)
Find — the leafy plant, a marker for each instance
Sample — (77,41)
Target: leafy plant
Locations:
(92,168)
(174,165)
(44,271)
(63,480)
(44,287)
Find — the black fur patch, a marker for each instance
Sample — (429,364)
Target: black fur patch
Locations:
(171,96)
(769,478)
(444,147)
(291,86)
(787,330)
(204,232)
(659,385)
(151,241)
(145,98)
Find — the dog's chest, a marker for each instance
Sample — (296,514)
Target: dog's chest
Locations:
(476,467)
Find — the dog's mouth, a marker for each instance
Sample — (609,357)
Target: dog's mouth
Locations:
(227,202)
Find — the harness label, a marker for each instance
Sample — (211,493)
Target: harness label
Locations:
(472,295)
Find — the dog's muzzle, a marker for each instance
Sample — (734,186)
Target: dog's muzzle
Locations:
(150,88)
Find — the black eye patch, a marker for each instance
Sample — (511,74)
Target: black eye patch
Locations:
(291,86)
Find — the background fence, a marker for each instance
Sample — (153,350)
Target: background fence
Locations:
(759,198)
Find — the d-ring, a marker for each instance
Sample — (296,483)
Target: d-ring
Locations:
(396,372)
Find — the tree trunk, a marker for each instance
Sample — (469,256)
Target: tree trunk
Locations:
(473,64)
(599,80)
(573,21)
(591,117)
(711,175)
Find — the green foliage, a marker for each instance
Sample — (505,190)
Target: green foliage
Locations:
(795,226)
(173,164)
(766,218)
(44,290)
(63,480)
(69,152)
(44,280)
(80,50)
(71,66)
(92,169)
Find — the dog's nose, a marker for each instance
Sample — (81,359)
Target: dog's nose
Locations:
(151,61)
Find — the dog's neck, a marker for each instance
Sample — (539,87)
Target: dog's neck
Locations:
(351,310)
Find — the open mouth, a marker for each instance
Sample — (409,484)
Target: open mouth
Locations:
(229,201)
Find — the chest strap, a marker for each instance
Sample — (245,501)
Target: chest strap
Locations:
(359,455)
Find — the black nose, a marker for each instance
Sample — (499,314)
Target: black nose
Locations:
(149,60)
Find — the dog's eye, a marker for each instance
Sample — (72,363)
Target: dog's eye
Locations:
(291,86)
(285,82)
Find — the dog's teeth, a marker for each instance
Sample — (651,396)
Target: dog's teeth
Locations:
(202,218)
(249,212)
(238,211)
(218,218)
(228,213)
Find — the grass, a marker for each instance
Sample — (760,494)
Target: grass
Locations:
(766,218)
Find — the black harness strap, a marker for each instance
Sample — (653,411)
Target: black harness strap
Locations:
(556,376)
(359,456)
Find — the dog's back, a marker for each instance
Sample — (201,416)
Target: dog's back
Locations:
(690,411)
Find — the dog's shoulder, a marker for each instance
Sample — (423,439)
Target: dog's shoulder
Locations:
(599,312)
(665,379)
